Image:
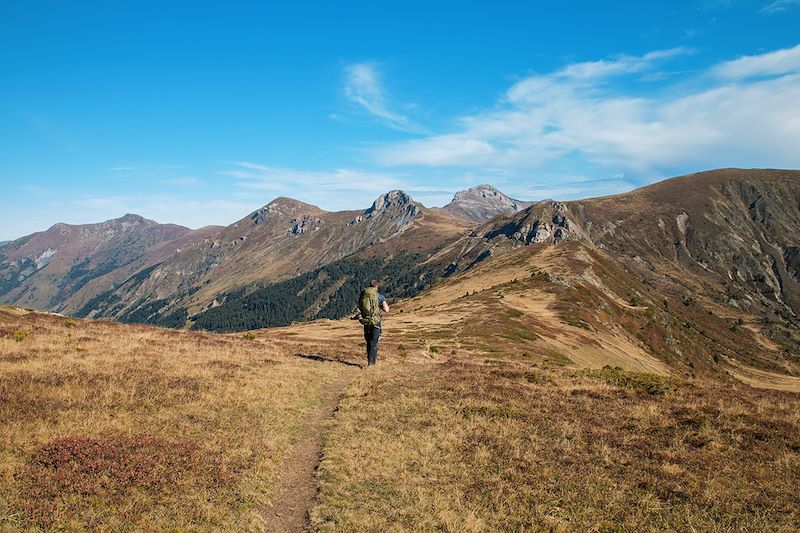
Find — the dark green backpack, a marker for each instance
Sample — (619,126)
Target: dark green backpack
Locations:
(369,308)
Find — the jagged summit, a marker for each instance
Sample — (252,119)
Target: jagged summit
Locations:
(395,206)
(394,198)
(283,206)
(482,203)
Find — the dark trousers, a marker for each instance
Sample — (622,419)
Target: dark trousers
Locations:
(372,335)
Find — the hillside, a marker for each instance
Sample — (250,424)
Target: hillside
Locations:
(61,268)
(278,242)
(620,363)
(697,274)
(477,422)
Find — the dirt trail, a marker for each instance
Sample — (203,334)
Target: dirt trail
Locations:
(296,486)
(762,378)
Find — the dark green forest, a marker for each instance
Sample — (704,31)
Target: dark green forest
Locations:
(104,301)
(330,291)
(282,303)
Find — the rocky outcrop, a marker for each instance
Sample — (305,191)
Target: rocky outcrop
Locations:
(545,222)
(483,203)
(395,205)
(304,224)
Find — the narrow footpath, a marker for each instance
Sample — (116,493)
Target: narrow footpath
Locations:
(296,485)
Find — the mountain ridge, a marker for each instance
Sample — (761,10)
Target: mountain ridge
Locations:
(686,271)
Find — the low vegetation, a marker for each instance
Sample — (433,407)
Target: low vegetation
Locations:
(470,422)
(466,446)
(113,427)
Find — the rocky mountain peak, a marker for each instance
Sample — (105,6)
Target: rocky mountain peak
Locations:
(482,191)
(481,203)
(283,206)
(131,219)
(545,222)
(390,199)
(394,205)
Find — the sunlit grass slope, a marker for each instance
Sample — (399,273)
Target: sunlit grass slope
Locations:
(470,444)
(112,427)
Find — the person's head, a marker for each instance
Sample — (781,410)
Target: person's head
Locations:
(374,283)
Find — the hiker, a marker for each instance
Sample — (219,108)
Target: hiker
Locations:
(370,305)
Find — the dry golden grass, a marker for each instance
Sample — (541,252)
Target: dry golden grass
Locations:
(490,410)
(467,445)
(112,427)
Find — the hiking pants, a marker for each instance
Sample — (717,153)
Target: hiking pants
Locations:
(372,335)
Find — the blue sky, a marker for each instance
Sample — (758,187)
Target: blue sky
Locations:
(199,112)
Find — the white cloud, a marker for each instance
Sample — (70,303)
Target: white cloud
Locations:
(363,87)
(332,190)
(775,63)
(779,6)
(440,150)
(730,115)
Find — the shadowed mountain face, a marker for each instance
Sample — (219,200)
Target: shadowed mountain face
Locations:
(60,268)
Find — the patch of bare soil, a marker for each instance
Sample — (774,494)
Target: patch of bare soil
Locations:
(295,486)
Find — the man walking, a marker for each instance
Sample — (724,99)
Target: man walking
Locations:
(371,304)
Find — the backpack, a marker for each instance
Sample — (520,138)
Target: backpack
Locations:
(369,308)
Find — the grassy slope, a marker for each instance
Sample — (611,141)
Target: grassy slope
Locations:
(471,445)
(486,417)
(490,410)
(105,426)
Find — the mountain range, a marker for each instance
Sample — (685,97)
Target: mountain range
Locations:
(689,270)
(136,261)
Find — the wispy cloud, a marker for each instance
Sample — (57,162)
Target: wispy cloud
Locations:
(777,63)
(778,6)
(164,208)
(737,113)
(363,87)
(342,188)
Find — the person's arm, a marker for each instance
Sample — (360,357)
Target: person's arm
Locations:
(385,307)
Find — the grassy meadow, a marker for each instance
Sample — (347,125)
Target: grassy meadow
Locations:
(112,427)
(493,445)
